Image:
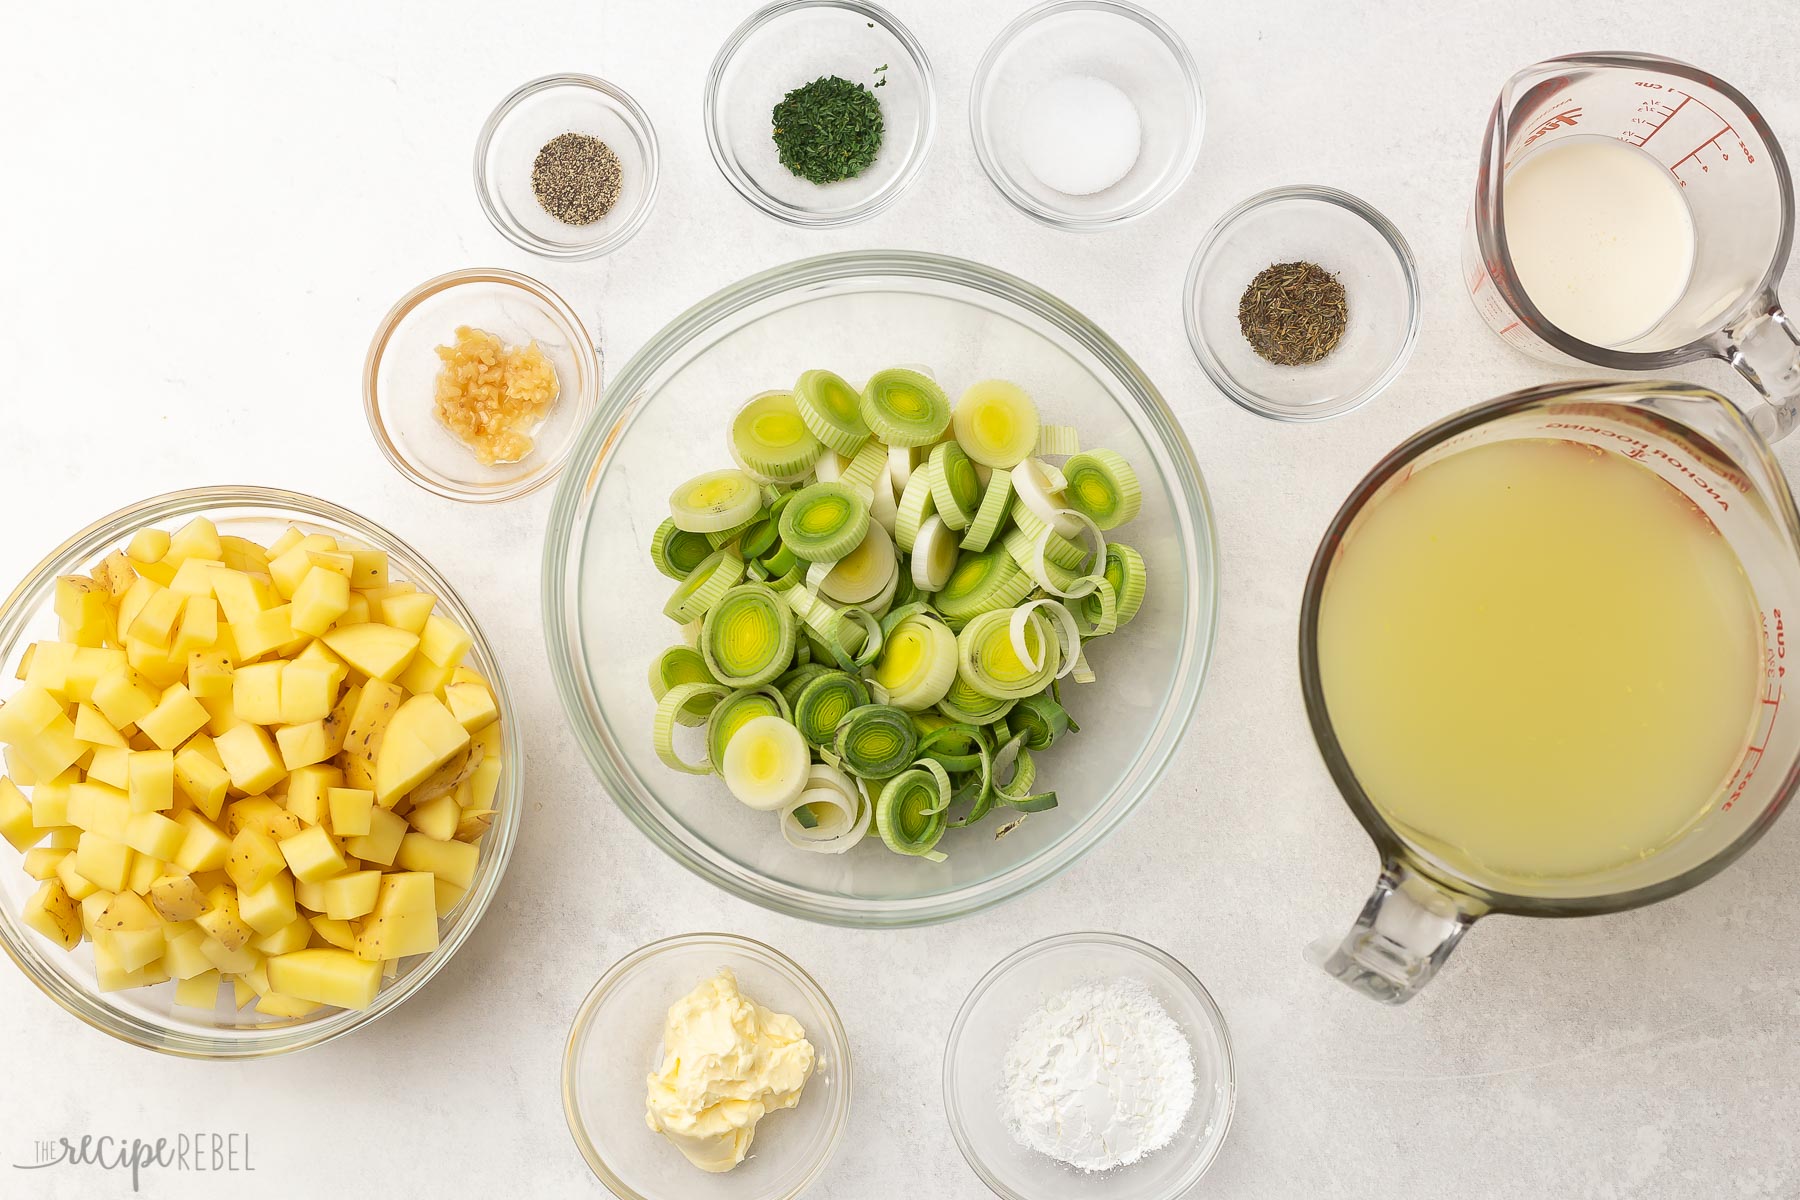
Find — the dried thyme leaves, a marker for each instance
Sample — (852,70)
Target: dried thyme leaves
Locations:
(827,130)
(1293,313)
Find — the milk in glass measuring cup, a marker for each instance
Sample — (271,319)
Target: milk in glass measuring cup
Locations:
(1693,469)
(1651,216)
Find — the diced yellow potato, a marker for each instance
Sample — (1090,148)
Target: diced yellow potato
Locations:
(16,824)
(194,577)
(153,834)
(484,784)
(452,861)
(153,663)
(228,960)
(289,538)
(79,886)
(447,895)
(368,569)
(94,729)
(27,713)
(338,562)
(268,630)
(406,610)
(177,897)
(322,597)
(111,766)
(382,842)
(221,715)
(304,745)
(421,737)
(444,641)
(145,871)
(133,949)
(52,912)
(350,895)
(110,975)
(202,781)
(176,717)
(356,612)
(263,813)
(50,751)
(326,975)
(333,932)
(150,780)
(205,848)
(50,800)
(312,855)
(270,907)
(403,921)
(49,665)
(250,758)
(103,860)
(148,545)
(289,568)
(254,860)
(156,619)
(471,704)
(436,818)
(308,691)
(82,613)
(199,628)
(237,597)
(369,717)
(308,789)
(242,554)
(41,862)
(124,697)
(222,921)
(256,692)
(359,772)
(211,676)
(197,991)
(295,935)
(350,810)
(241,992)
(116,573)
(275,1004)
(184,957)
(199,538)
(424,677)
(87,666)
(378,651)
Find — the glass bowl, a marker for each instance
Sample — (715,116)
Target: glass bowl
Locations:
(617,1041)
(791,43)
(663,420)
(147,1016)
(1110,40)
(991,1016)
(1348,238)
(517,130)
(400,374)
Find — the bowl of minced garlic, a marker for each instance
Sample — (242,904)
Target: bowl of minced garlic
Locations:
(707,1054)
(477,384)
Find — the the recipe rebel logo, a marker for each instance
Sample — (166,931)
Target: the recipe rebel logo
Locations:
(195,1153)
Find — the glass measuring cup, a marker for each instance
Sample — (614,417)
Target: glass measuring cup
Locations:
(1701,444)
(1739,194)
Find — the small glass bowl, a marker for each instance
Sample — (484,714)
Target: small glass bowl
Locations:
(518,129)
(1110,40)
(616,1042)
(1348,238)
(400,374)
(987,1023)
(794,42)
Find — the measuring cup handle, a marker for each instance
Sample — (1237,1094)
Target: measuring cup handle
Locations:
(1764,345)
(1406,931)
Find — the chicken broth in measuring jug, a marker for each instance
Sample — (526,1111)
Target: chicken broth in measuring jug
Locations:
(1540,659)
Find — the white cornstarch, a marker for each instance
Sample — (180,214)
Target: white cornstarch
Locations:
(1098,1077)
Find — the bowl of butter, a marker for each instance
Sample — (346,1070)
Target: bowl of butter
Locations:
(707,1066)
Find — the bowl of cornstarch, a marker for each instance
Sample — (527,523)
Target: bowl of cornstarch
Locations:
(1086,1065)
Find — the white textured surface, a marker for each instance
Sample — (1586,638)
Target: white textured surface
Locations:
(202,218)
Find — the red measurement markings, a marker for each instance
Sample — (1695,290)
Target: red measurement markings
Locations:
(1666,114)
(1771,702)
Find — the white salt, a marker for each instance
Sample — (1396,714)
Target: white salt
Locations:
(1080,135)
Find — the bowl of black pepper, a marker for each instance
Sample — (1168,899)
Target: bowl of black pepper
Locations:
(566,167)
(820,112)
(1303,303)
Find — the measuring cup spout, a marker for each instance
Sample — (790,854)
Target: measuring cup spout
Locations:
(1764,345)
(1406,931)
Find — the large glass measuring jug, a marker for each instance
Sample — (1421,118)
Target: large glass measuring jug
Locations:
(1739,195)
(1702,445)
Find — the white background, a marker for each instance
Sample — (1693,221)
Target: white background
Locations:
(205,209)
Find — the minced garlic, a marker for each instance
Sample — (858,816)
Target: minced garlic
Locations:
(491,396)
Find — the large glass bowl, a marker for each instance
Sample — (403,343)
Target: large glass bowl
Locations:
(148,1016)
(663,419)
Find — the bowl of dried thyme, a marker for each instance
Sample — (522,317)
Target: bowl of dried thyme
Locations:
(1303,303)
(566,167)
(820,112)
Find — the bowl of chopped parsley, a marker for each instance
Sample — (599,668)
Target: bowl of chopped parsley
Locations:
(820,113)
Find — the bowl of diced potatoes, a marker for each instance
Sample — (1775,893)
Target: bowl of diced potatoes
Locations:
(259,778)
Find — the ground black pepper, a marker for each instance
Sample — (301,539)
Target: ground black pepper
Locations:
(576,178)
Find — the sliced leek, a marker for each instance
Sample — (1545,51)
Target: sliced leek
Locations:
(1125,572)
(991,516)
(990,661)
(902,461)
(915,505)
(1038,495)
(968,705)
(823,703)
(910,812)
(1101,485)
(831,814)
(1059,440)
(765,763)
(918,662)
(884,509)
(955,489)
(747,637)
(737,710)
(824,522)
(981,583)
(832,411)
(996,423)
(861,574)
(717,573)
(715,501)
(675,551)
(864,471)
(672,668)
(830,466)
(904,407)
(769,439)
(684,700)
(934,554)
(1058,547)
(875,741)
